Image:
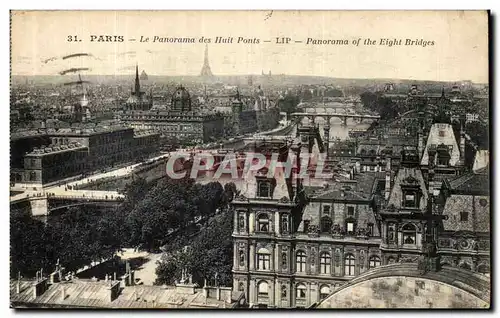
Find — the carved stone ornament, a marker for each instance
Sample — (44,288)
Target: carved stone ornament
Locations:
(241,197)
(284,200)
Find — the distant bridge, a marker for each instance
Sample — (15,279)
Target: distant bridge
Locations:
(328,116)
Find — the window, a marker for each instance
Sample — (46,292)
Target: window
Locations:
(370,229)
(374,261)
(464,216)
(325,261)
(263,288)
(443,159)
(283,291)
(349,265)
(32,176)
(350,227)
(324,292)
(326,209)
(263,223)
(242,258)
(301,291)
(391,260)
(241,287)
(350,211)
(301,261)
(326,224)
(284,223)
(409,234)
(263,260)
(410,200)
(264,189)
(391,233)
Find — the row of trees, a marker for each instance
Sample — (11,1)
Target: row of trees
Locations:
(144,220)
(377,102)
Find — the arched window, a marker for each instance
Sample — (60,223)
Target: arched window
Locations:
(263,223)
(241,286)
(263,259)
(242,258)
(263,288)
(324,291)
(301,291)
(374,261)
(301,261)
(325,261)
(32,176)
(391,260)
(326,224)
(349,265)
(391,233)
(409,234)
(363,151)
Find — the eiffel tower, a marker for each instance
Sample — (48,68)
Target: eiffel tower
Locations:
(205,70)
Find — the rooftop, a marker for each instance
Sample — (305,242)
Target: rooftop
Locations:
(96,294)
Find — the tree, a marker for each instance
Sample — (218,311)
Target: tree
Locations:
(289,104)
(207,256)
(29,246)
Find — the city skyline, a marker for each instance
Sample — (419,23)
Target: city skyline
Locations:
(457,43)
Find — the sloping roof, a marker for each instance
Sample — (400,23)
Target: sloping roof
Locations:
(474,182)
(86,293)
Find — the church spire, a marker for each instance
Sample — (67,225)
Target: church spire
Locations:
(137,83)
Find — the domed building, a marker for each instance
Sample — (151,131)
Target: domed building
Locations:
(181,100)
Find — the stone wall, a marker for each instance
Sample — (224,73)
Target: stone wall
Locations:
(402,292)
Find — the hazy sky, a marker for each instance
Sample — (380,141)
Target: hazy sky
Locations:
(460,50)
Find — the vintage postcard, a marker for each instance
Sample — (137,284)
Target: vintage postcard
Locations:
(250,159)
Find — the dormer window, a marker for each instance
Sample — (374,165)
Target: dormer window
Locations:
(410,200)
(350,211)
(264,189)
(326,209)
(443,159)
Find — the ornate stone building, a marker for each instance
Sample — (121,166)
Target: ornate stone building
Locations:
(182,121)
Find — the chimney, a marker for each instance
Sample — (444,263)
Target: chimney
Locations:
(39,286)
(205,289)
(63,293)
(18,284)
(387,179)
(113,290)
